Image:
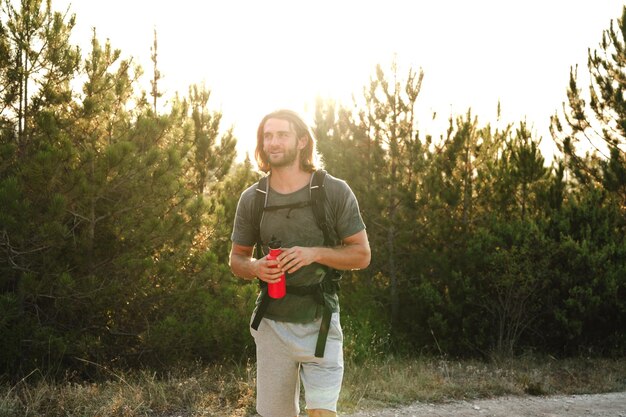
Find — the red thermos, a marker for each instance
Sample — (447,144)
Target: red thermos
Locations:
(276,290)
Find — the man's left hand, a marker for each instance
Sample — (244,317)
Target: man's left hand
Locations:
(292,259)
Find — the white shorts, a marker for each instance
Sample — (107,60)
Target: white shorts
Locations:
(285,355)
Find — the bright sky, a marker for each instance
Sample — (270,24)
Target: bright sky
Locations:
(257,56)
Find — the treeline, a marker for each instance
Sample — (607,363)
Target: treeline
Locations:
(115,217)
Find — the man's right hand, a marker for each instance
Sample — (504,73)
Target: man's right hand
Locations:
(267,270)
(245,266)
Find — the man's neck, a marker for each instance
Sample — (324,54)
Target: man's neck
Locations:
(289,179)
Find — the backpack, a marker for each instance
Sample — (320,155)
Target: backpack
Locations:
(330,284)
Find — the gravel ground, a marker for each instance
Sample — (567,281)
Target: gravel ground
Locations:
(598,405)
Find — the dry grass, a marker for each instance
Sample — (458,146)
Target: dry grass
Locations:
(228,390)
(401,381)
(208,391)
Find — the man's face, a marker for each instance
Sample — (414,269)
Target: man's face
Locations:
(280,143)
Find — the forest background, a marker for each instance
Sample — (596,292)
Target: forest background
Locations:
(116,215)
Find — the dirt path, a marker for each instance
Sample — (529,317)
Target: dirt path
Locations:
(600,405)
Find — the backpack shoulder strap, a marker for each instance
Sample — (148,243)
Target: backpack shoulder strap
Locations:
(318,200)
(259,203)
(333,276)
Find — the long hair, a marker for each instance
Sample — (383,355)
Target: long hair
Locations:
(307,154)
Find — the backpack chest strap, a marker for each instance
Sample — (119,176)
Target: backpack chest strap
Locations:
(300,204)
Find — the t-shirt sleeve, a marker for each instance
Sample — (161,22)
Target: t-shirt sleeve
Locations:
(348,220)
(243,231)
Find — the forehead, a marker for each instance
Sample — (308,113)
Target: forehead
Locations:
(277,125)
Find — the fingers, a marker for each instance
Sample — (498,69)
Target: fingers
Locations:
(269,271)
(292,265)
(294,258)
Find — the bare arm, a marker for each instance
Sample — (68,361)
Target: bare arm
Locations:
(354,253)
(245,266)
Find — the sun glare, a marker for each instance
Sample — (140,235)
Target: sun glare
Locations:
(259,56)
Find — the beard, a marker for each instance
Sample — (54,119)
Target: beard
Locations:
(287,158)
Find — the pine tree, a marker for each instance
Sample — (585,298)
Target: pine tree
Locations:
(37,65)
(380,153)
(597,122)
(214,154)
(40,63)
(155,93)
(527,165)
(591,135)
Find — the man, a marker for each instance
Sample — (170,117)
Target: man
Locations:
(290,327)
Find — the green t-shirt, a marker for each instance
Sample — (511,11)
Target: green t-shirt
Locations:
(297,227)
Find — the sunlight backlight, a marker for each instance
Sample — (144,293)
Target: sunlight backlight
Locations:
(259,56)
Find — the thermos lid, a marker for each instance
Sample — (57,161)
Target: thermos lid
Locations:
(274,243)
